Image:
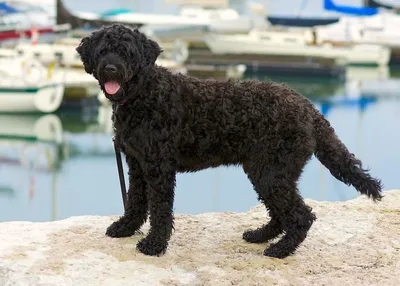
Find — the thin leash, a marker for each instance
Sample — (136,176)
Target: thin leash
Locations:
(120,170)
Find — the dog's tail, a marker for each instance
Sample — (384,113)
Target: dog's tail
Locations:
(342,164)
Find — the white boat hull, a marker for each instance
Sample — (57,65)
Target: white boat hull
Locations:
(379,29)
(252,44)
(48,53)
(46,98)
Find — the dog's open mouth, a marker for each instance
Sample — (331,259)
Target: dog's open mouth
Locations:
(112,87)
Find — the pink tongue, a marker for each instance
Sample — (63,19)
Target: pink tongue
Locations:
(111,87)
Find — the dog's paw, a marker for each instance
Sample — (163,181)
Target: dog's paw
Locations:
(150,245)
(120,229)
(255,236)
(262,234)
(276,252)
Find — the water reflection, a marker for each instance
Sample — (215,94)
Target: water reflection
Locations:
(58,165)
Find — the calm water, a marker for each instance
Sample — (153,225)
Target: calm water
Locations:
(61,165)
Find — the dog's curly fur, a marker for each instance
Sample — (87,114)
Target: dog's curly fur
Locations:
(168,123)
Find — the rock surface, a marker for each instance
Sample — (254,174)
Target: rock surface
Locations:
(352,243)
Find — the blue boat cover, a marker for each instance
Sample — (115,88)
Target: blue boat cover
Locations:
(115,12)
(357,11)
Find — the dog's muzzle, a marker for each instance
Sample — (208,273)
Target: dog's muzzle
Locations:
(111,79)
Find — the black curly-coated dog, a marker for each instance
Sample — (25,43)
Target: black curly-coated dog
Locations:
(168,123)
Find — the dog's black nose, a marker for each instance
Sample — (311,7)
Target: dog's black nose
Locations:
(111,68)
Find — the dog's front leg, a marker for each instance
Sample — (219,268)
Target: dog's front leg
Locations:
(160,182)
(137,207)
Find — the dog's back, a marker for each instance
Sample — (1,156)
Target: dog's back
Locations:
(224,122)
(227,120)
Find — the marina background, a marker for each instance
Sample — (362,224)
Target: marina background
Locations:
(58,164)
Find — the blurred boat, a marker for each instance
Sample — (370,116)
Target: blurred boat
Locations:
(26,85)
(25,18)
(295,42)
(220,19)
(64,51)
(379,29)
(368,8)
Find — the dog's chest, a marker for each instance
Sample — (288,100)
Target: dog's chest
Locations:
(132,142)
(131,134)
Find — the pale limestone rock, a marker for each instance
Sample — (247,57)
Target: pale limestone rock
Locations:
(351,243)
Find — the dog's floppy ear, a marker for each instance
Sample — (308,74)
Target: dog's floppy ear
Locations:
(151,51)
(85,52)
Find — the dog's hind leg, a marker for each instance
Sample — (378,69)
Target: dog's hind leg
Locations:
(274,227)
(266,232)
(276,185)
(137,207)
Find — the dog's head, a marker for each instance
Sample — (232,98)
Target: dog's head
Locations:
(116,54)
